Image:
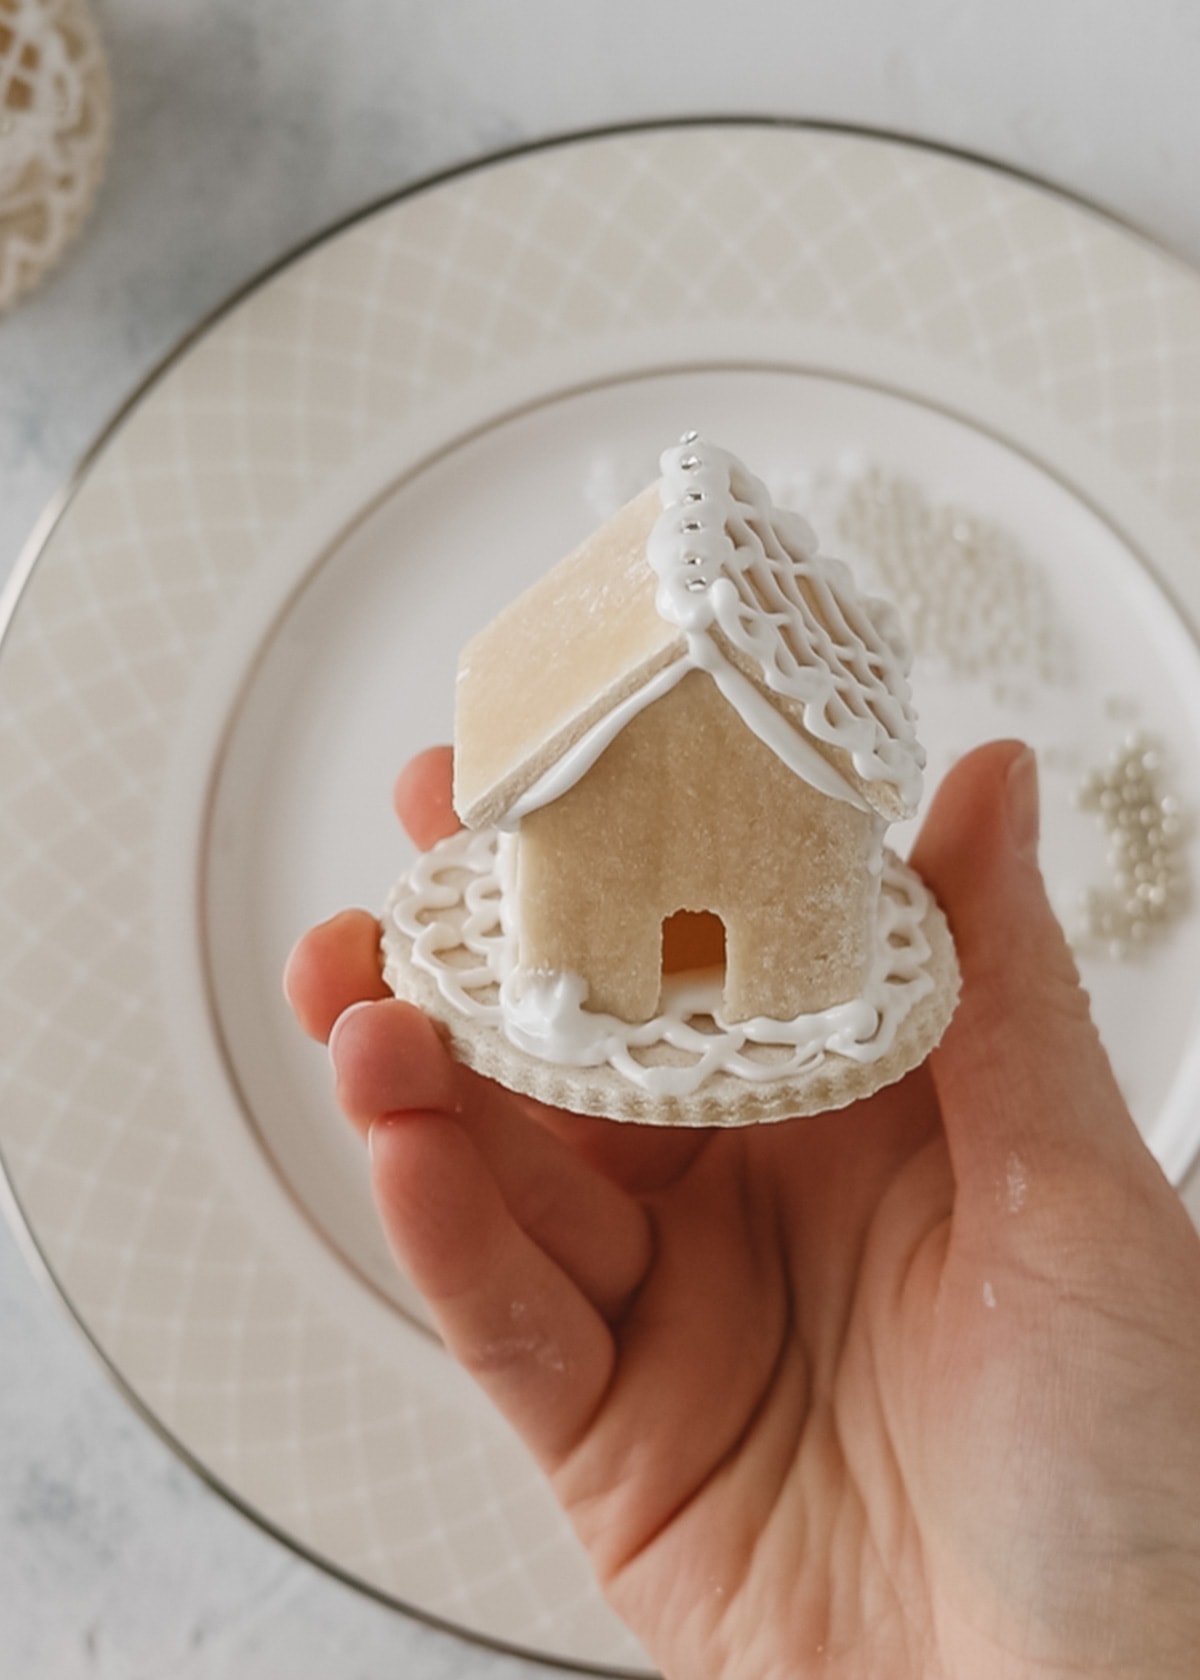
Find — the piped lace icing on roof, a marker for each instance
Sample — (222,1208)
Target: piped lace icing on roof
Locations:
(733,568)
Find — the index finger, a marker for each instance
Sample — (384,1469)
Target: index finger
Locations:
(423,797)
(336,964)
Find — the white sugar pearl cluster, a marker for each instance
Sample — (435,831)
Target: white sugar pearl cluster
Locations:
(1150,888)
(967,592)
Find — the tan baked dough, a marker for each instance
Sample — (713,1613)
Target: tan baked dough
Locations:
(723,1099)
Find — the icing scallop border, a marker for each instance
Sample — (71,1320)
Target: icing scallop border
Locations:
(445,919)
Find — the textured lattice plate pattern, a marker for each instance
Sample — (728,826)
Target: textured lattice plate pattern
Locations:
(330,1418)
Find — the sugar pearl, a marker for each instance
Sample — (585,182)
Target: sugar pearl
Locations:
(1149,887)
(972,597)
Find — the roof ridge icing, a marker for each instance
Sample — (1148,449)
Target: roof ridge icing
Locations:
(733,567)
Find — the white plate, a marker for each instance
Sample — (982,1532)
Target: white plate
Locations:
(247,614)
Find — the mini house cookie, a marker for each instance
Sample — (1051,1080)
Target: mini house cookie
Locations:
(676,758)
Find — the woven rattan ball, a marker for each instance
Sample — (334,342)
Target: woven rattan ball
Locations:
(55,121)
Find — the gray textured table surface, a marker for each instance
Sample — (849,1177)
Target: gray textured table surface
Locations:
(241,131)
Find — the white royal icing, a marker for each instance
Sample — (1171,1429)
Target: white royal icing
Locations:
(734,573)
(448,915)
(727,560)
(578,760)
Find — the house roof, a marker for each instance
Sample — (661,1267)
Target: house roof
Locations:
(698,572)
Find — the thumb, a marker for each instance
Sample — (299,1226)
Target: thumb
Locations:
(1024,1083)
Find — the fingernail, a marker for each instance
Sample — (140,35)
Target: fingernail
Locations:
(382,1124)
(339,1027)
(1023,804)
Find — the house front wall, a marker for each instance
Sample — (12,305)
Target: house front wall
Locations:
(688,810)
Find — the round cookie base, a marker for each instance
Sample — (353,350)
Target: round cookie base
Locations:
(724,1099)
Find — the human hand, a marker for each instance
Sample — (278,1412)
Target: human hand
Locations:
(906,1390)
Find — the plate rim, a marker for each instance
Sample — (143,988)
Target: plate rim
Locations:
(46,1278)
(60,501)
(61,498)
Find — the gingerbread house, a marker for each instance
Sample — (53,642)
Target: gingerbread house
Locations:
(694,732)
